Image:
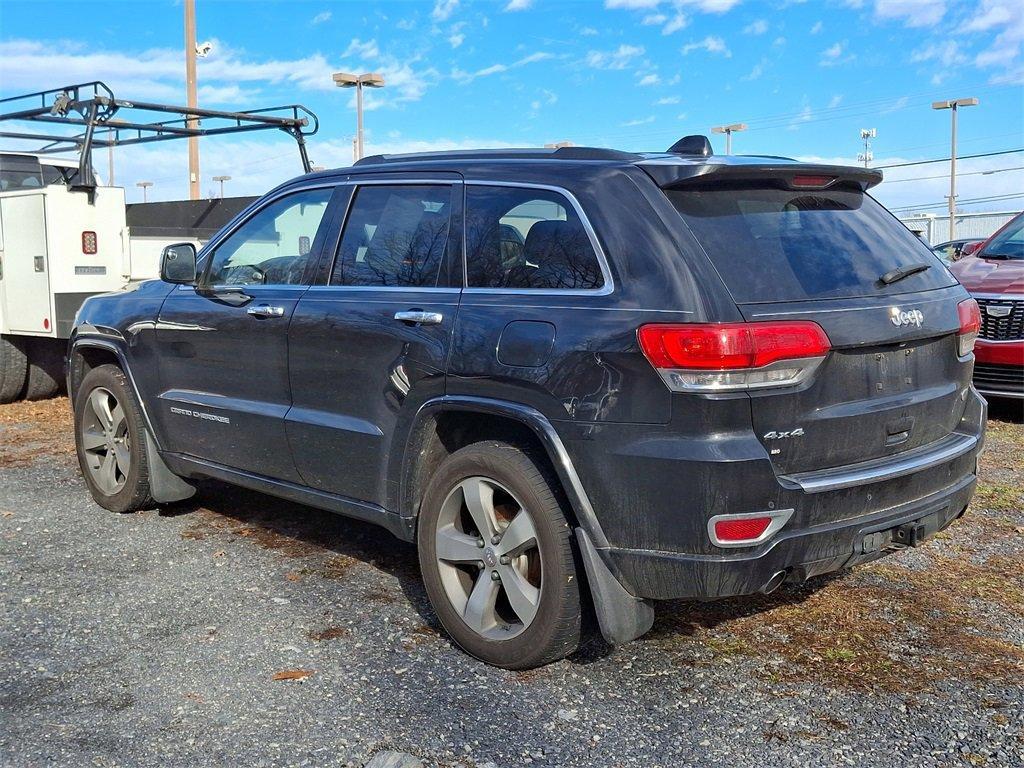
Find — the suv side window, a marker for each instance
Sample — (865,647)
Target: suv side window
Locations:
(273,246)
(521,238)
(396,235)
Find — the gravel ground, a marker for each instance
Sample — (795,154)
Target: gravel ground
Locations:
(155,639)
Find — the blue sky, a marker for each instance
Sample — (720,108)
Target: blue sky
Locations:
(633,74)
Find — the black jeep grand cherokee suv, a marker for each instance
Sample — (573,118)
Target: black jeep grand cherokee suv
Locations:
(645,376)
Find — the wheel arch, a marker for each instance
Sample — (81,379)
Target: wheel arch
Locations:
(445,424)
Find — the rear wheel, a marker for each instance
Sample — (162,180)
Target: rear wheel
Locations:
(110,441)
(45,368)
(13,368)
(496,556)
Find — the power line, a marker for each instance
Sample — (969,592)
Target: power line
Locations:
(968,201)
(946,159)
(946,175)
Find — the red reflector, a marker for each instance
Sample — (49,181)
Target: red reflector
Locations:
(728,346)
(46,323)
(89,243)
(741,530)
(812,181)
(970,316)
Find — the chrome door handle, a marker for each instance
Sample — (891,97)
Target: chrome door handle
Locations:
(265,310)
(419,317)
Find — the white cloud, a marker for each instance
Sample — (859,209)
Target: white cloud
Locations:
(757,71)
(464,77)
(816,28)
(588,32)
(948,53)
(518,5)
(320,18)
(632,4)
(649,80)
(758,27)
(994,13)
(835,101)
(443,9)
(639,121)
(361,50)
(677,22)
(711,44)
(654,19)
(914,13)
(1005,50)
(835,54)
(456,39)
(665,101)
(620,58)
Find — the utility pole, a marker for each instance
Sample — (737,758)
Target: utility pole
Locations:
(728,130)
(866,135)
(191,97)
(953,105)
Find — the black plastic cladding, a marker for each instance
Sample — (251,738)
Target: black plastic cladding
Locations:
(324,402)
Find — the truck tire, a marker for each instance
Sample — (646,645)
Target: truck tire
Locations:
(13,368)
(110,441)
(495,551)
(45,368)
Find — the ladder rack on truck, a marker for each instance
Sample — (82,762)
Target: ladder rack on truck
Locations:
(64,236)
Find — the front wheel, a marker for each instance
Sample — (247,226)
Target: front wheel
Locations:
(496,556)
(110,441)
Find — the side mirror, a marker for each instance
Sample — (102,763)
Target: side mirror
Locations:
(970,249)
(178,264)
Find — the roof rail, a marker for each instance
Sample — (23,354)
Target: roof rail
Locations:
(525,153)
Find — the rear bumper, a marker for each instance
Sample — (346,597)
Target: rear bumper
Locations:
(800,554)
(999,368)
(655,498)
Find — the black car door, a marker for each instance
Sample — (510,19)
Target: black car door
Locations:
(224,343)
(371,342)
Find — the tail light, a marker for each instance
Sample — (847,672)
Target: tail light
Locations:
(717,357)
(747,529)
(89,243)
(970,326)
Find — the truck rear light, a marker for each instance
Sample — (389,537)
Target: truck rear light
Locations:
(715,357)
(747,529)
(89,243)
(970,326)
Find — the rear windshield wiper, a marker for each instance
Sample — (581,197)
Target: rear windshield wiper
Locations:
(895,275)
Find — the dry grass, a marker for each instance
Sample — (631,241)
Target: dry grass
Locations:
(29,431)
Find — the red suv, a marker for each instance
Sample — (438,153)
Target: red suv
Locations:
(994,274)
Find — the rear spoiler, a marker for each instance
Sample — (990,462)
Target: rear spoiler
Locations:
(671,174)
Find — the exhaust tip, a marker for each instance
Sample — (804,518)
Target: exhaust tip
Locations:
(773,583)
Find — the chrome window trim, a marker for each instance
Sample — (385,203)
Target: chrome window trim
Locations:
(779,517)
(314,289)
(608,285)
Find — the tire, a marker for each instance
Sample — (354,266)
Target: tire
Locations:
(539,579)
(45,368)
(120,488)
(13,368)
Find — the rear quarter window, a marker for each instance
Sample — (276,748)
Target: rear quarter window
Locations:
(772,245)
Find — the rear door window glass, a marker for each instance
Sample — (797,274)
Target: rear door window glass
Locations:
(395,236)
(772,244)
(521,238)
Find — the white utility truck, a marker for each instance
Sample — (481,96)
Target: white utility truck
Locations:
(65,237)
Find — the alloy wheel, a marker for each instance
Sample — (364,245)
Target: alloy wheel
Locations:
(488,556)
(105,441)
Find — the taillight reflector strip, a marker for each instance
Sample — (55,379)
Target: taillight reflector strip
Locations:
(746,529)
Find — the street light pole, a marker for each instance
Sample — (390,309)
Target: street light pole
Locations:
(953,105)
(191,97)
(144,185)
(728,130)
(368,79)
(222,179)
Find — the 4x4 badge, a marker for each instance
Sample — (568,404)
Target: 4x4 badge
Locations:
(774,435)
(911,317)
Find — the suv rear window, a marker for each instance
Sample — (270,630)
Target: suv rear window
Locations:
(772,244)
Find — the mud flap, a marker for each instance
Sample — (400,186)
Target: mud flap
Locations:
(621,616)
(164,485)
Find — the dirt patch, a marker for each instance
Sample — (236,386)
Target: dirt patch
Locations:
(33,430)
(330,633)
